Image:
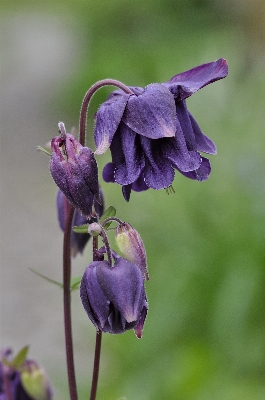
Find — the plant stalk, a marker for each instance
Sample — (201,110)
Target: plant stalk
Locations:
(67,303)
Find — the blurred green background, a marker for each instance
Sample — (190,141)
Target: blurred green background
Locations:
(204,336)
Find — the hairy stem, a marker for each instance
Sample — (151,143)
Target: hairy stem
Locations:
(87,98)
(67,302)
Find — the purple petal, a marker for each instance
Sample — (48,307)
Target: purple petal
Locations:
(158,171)
(138,329)
(126,191)
(108,118)
(185,84)
(123,286)
(152,113)
(108,172)
(184,120)
(200,174)
(97,298)
(176,151)
(203,143)
(129,170)
(89,169)
(139,185)
(59,176)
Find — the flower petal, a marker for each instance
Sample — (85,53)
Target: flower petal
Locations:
(200,174)
(158,171)
(97,298)
(124,287)
(203,143)
(185,84)
(108,118)
(184,120)
(129,170)
(152,113)
(108,172)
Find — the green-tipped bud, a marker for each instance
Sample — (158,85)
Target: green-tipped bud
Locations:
(35,381)
(94,229)
(132,247)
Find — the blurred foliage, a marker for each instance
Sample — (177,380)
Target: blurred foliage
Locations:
(204,334)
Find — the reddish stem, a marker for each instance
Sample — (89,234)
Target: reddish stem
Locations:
(87,98)
(67,302)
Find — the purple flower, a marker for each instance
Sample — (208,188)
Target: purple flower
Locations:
(151,133)
(78,240)
(114,297)
(74,170)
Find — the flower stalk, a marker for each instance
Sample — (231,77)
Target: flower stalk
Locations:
(67,303)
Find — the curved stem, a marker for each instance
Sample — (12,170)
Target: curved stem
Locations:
(67,302)
(106,243)
(87,98)
(111,219)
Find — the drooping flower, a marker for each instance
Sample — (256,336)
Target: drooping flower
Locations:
(78,240)
(74,170)
(151,133)
(114,297)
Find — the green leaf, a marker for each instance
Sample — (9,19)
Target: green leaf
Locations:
(81,228)
(46,278)
(75,282)
(43,150)
(110,212)
(20,357)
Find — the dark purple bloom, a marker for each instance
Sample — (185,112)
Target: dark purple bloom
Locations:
(78,240)
(74,170)
(114,297)
(151,133)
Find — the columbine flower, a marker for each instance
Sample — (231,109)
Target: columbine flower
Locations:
(114,297)
(74,170)
(151,133)
(78,240)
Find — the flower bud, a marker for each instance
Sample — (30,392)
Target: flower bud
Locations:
(94,229)
(114,297)
(132,247)
(74,170)
(35,381)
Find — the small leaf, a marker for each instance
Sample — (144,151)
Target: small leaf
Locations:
(110,212)
(81,228)
(20,357)
(43,150)
(46,278)
(75,282)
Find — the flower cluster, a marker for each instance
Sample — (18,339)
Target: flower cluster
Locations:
(151,133)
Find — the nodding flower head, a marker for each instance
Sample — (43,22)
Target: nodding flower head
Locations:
(114,298)
(74,170)
(151,133)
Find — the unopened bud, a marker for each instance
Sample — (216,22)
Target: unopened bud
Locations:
(94,229)
(132,247)
(35,381)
